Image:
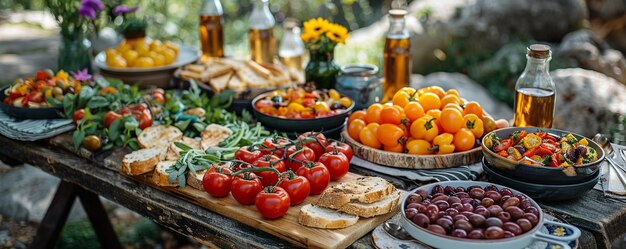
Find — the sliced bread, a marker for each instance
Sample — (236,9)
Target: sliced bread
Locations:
(253,79)
(158,136)
(319,217)
(236,84)
(195,180)
(213,134)
(363,189)
(141,161)
(160,176)
(215,70)
(384,206)
(220,83)
(173,152)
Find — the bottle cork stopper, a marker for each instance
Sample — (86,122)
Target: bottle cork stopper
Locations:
(539,51)
(397,13)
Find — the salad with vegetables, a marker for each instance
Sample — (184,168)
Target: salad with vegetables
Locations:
(46,89)
(303,103)
(542,149)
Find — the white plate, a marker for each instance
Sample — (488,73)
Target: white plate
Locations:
(186,55)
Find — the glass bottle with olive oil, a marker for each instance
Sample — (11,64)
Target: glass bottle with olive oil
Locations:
(211,29)
(396,55)
(261,33)
(535,91)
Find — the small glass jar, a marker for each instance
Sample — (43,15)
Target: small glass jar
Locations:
(361,83)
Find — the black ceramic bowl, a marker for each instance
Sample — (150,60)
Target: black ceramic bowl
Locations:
(29,113)
(541,174)
(300,125)
(543,191)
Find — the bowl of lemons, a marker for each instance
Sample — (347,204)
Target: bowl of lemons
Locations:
(145,61)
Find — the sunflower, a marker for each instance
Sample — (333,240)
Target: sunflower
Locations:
(309,36)
(316,25)
(337,33)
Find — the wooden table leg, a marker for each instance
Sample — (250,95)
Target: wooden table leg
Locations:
(99,219)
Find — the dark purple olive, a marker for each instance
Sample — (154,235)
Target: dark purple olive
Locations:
(442,205)
(463,225)
(420,208)
(437,189)
(573,155)
(459,189)
(477,220)
(466,201)
(582,150)
(457,206)
(523,204)
(452,211)
(520,149)
(436,229)
(515,212)
(532,210)
(414,198)
(532,218)
(512,227)
(467,213)
(487,202)
(506,191)
(426,202)
(494,210)
(437,195)
(494,233)
(475,203)
(521,197)
(478,233)
(468,207)
(508,234)
(454,199)
(448,190)
(445,223)
(432,212)
(459,217)
(524,224)
(422,192)
(477,193)
(440,198)
(504,198)
(493,222)
(504,216)
(482,211)
(459,233)
(410,212)
(473,187)
(445,216)
(421,220)
(491,187)
(462,195)
(513,201)
(494,195)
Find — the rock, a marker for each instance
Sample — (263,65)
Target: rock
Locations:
(587,101)
(468,89)
(591,53)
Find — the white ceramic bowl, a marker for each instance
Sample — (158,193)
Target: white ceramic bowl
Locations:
(520,241)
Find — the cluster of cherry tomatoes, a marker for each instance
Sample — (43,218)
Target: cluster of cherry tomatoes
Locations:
(279,172)
(425,121)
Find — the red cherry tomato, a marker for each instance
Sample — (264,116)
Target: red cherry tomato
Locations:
(298,187)
(247,155)
(317,142)
(274,145)
(245,187)
(158,97)
(317,174)
(296,156)
(337,164)
(341,147)
(272,202)
(269,178)
(110,117)
(78,115)
(217,182)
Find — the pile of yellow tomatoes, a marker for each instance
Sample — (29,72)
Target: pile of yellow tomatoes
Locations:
(425,121)
(141,53)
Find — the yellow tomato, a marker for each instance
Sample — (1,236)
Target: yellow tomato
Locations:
(345,101)
(334,94)
(172,46)
(170,56)
(424,128)
(159,59)
(143,49)
(295,107)
(155,45)
(130,56)
(443,143)
(321,107)
(117,61)
(464,140)
(430,101)
(144,62)
(367,136)
(123,47)
(474,124)
(109,52)
(419,147)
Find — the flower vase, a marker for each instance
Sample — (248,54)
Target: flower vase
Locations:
(322,69)
(74,53)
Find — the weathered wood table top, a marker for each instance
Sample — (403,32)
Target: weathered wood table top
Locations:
(603,220)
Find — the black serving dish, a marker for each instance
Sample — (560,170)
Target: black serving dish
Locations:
(29,113)
(543,192)
(300,125)
(542,174)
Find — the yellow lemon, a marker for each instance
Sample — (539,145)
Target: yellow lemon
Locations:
(123,47)
(110,52)
(170,56)
(159,59)
(155,45)
(144,62)
(130,56)
(142,48)
(117,62)
(172,46)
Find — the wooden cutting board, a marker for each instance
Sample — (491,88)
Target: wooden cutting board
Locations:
(286,227)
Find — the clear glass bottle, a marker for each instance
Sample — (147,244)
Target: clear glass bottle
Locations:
(535,91)
(397,55)
(211,29)
(291,49)
(261,33)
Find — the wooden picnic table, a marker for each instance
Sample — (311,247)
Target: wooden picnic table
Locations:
(602,220)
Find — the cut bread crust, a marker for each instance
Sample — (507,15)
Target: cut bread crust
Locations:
(366,210)
(141,161)
(362,189)
(195,180)
(213,134)
(160,177)
(320,217)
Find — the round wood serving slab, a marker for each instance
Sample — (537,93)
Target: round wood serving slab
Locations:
(402,160)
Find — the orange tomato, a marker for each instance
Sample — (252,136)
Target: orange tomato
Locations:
(473,107)
(450,99)
(390,115)
(435,113)
(368,136)
(453,92)
(451,120)
(430,101)
(372,115)
(464,140)
(419,147)
(355,127)
(424,128)
(389,135)
(399,148)
(413,111)
(474,124)
(401,98)
(356,115)
(453,106)
(436,90)
(408,89)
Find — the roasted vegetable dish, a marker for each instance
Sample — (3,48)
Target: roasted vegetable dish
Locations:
(303,103)
(543,149)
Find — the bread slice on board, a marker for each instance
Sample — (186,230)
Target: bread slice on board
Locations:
(220,83)
(158,136)
(141,161)
(160,176)
(215,70)
(363,189)
(319,217)
(235,83)
(173,152)
(195,180)
(252,78)
(213,134)
(384,206)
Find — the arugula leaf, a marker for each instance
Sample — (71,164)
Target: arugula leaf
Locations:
(114,129)
(183,146)
(85,94)
(68,105)
(77,138)
(97,102)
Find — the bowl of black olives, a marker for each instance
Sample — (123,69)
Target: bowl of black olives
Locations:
(472,215)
